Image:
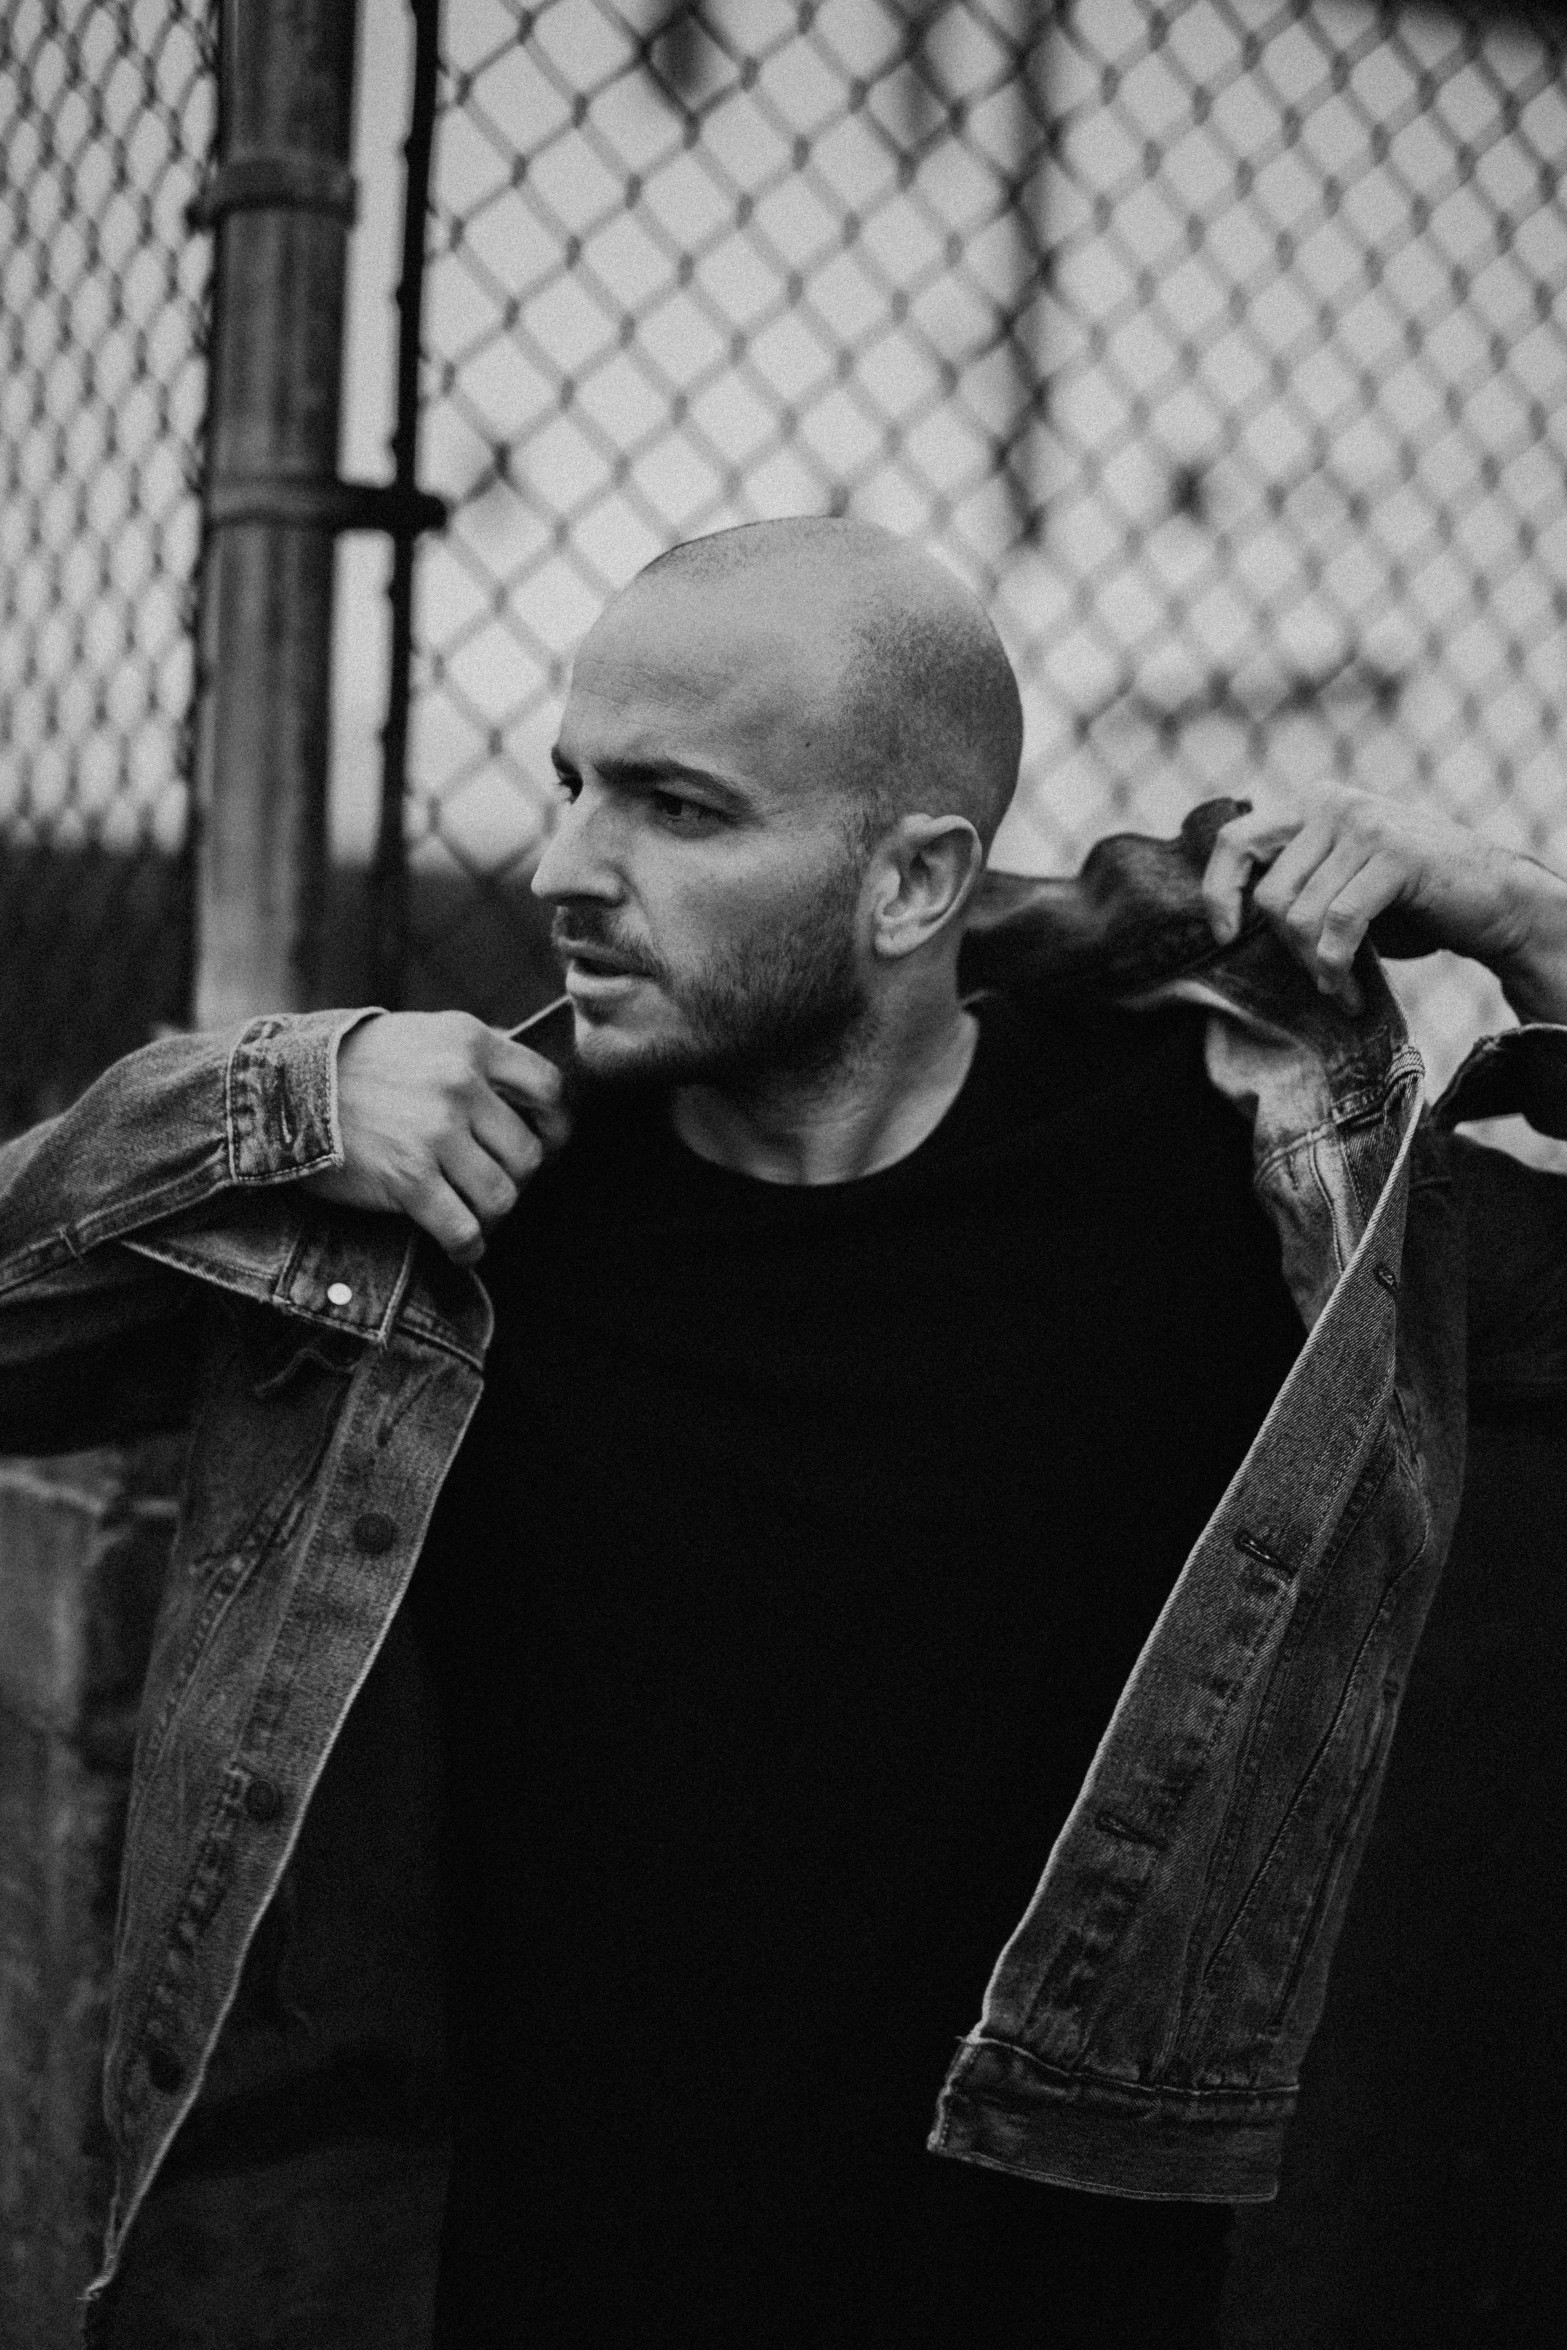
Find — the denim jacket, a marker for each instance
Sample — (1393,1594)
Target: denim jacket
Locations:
(1142,2030)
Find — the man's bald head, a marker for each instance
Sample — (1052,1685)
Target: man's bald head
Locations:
(921,703)
(784,752)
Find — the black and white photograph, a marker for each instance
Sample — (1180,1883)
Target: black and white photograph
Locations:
(783,1174)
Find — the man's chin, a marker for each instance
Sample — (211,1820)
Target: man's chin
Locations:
(608,1057)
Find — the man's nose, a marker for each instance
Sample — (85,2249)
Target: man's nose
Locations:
(576,862)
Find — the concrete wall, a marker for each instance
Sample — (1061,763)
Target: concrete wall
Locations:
(83,1542)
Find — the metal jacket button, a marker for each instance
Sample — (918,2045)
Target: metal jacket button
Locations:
(263,1801)
(339,1294)
(374,1533)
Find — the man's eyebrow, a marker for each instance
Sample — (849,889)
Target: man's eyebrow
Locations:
(649,774)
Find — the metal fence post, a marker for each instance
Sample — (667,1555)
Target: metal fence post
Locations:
(282,201)
(83,1540)
(389,874)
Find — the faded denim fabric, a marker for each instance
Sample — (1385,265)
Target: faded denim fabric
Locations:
(1143,2028)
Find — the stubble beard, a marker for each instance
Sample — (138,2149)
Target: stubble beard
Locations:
(787,1009)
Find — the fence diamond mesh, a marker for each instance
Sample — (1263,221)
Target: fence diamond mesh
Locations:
(106,111)
(1221,345)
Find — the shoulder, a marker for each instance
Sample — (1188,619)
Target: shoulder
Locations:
(1075,1045)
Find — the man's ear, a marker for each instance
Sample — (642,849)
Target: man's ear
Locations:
(929,868)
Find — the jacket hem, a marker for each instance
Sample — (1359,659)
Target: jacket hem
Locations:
(1003,2110)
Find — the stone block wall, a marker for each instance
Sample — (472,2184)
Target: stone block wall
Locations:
(83,1544)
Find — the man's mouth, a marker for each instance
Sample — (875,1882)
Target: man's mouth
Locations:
(598,960)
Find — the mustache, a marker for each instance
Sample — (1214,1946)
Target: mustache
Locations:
(588,930)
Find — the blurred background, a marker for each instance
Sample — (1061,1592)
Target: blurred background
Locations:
(1220,345)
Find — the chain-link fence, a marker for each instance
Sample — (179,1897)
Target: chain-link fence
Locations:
(1221,345)
(106,111)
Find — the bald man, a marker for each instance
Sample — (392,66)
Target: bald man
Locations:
(870,1350)
(747,1789)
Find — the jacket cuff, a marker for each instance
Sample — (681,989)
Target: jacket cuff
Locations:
(280,1095)
(1521,1072)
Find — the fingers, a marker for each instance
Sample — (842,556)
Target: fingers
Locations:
(1328,876)
(443,1120)
(527,1079)
(1238,850)
(485,1168)
(516,1147)
(1312,897)
(451,1223)
(482,1186)
(470,1192)
(1343,924)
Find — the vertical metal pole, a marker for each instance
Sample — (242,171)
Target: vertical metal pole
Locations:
(1022,326)
(389,875)
(282,201)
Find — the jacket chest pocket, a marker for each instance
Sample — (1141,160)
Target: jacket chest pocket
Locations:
(272,1399)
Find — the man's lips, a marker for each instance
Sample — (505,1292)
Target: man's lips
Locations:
(599,960)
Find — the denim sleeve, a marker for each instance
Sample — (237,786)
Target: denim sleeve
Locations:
(83,1322)
(1515,1218)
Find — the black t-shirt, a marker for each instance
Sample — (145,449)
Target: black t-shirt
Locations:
(787,1578)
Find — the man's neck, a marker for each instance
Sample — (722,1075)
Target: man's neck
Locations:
(864,1114)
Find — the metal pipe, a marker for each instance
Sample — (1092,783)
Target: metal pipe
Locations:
(281,200)
(389,874)
(1033,266)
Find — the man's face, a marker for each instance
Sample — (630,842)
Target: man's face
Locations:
(706,892)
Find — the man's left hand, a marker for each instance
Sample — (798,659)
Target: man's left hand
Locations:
(1341,861)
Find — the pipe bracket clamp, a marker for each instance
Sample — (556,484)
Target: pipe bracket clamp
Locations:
(276,183)
(313,503)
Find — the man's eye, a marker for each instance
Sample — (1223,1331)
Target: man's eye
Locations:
(676,809)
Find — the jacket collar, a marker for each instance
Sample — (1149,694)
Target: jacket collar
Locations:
(1329,1096)
(1131,924)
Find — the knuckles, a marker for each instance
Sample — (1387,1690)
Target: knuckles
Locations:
(414,1096)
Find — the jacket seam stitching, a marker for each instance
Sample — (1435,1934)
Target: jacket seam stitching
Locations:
(1296,1634)
(1314,1761)
(73,1242)
(1145,2092)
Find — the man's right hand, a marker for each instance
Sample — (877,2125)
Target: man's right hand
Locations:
(443,1120)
